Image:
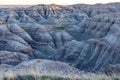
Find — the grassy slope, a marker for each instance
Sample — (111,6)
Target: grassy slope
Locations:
(43,77)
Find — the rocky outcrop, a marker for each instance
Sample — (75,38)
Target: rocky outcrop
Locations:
(40,67)
(57,14)
(96,52)
(32,39)
(94,55)
(12,58)
(109,69)
(43,14)
(97,9)
(97,27)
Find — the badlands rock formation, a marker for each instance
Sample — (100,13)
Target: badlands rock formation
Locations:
(85,36)
(40,67)
(12,58)
(99,49)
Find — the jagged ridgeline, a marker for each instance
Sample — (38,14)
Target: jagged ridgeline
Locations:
(73,39)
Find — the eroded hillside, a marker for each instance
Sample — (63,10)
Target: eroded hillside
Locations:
(87,37)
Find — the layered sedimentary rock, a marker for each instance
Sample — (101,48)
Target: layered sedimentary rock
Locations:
(86,36)
(32,39)
(97,9)
(97,27)
(94,52)
(12,58)
(44,14)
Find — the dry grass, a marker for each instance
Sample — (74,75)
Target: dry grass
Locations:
(9,75)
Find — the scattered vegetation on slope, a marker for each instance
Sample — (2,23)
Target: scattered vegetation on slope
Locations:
(61,27)
(49,77)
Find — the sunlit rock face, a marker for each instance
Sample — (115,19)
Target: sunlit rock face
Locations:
(86,36)
(44,14)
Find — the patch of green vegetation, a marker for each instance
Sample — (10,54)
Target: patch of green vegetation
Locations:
(61,27)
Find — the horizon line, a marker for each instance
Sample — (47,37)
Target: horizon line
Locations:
(54,3)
